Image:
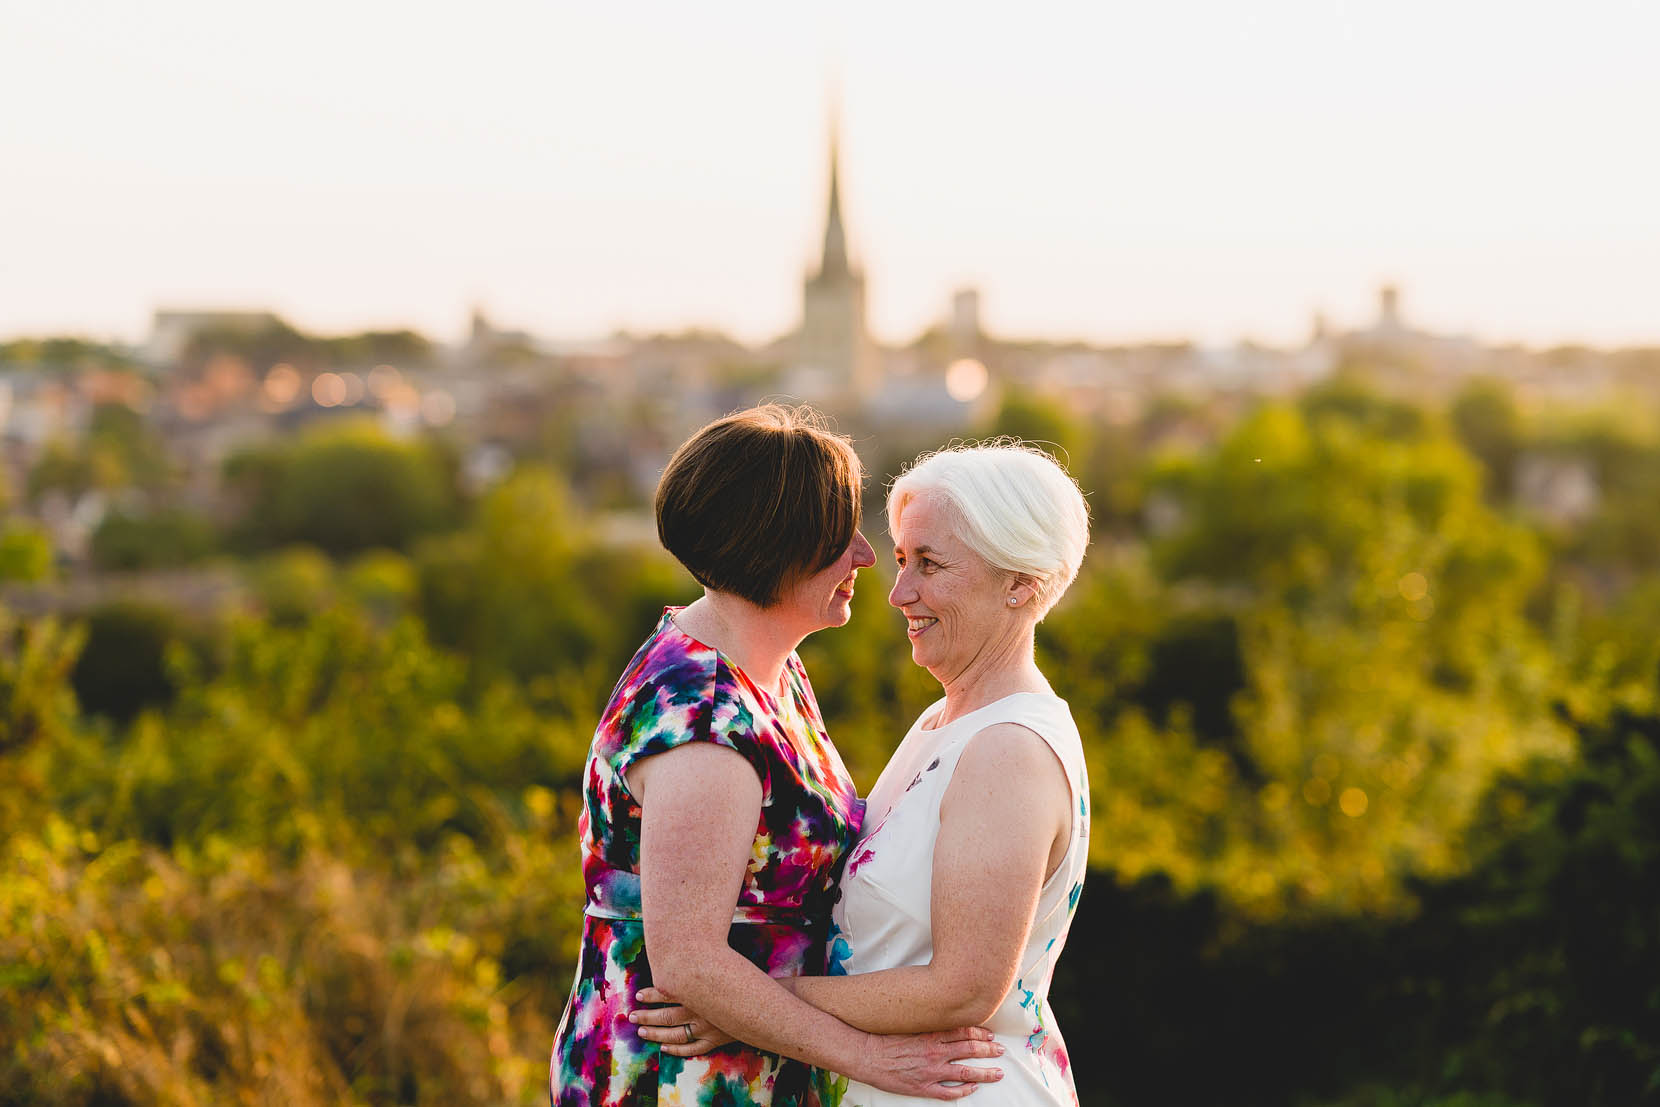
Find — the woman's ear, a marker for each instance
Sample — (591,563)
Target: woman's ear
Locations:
(1021,590)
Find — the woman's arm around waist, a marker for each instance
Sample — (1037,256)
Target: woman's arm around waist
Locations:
(1005,822)
(700,806)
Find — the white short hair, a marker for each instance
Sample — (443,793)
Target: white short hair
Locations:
(1019,509)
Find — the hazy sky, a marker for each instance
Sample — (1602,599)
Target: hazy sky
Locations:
(1118,171)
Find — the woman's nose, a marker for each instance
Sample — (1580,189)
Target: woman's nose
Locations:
(863,555)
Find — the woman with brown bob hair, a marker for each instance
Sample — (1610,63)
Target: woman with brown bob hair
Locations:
(717,813)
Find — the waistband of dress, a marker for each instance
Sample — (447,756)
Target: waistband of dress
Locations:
(752,915)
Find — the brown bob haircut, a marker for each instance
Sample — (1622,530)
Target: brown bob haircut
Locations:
(758,500)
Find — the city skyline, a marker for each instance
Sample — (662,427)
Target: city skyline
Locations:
(1192,173)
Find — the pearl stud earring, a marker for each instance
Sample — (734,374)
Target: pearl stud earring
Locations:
(1013,601)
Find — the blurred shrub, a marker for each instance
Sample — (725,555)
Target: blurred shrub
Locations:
(154,540)
(1487,422)
(332,731)
(1340,666)
(343,488)
(528,594)
(383,582)
(292,584)
(123,667)
(1531,980)
(1343,844)
(25,552)
(206,975)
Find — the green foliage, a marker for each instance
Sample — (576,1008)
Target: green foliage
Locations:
(277,341)
(25,552)
(1044,423)
(383,583)
(1558,996)
(1530,980)
(37,706)
(526,594)
(1336,668)
(334,731)
(344,489)
(76,470)
(119,450)
(317,873)
(64,354)
(1622,537)
(133,439)
(160,539)
(293,584)
(1376,772)
(122,667)
(1487,422)
(205,975)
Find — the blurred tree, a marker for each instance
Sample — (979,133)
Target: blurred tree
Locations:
(527,593)
(383,582)
(343,488)
(1042,422)
(119,450)
(1349,613)
(1485,417)
(400,347)
(260,348)
(25,552)
(159,539)
(122,668)
(293,584)
(75,469)
(126,433)
(1621,539)
(65,354)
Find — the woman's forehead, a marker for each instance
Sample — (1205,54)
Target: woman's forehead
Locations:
(925,519)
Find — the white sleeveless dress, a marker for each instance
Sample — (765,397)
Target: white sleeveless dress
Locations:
(883,919)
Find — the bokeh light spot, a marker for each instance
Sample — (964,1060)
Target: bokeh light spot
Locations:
(965,380)
(354,388)
(384,380)
(1353,802)
(328,390)
(438,408)
(283,384)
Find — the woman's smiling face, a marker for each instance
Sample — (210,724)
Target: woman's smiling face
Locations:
(825,598)
(956,606)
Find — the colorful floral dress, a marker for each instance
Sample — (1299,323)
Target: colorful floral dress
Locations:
(678,690)
(884,917)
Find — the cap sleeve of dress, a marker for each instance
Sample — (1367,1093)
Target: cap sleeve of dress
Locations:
(693,697)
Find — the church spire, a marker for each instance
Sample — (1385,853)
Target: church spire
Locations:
(835,236)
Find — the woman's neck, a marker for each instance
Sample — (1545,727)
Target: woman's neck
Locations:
(752,639)
(990,677)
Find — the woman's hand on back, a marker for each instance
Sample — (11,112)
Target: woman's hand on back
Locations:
(930,1064)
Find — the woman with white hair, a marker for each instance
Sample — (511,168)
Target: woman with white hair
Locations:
(956,902)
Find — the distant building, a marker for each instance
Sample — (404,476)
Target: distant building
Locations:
(485,340)
(835,359)
(964,326)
